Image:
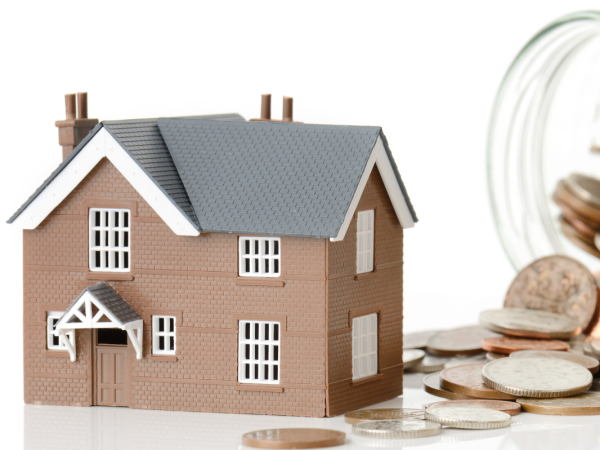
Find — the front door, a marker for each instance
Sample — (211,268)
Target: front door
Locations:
(111,376)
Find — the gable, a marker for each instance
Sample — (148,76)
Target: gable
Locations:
(74,169)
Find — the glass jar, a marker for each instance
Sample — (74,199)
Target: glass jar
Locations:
(544,126)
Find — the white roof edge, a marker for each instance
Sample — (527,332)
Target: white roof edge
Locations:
(100,146)
(380,157)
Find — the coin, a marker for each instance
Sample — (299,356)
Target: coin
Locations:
(588,350)
(562,193)
(585,404)
(510,408)
(537,377)
(581,242)
(458,341)
(578,224)
(412,357)
(570,213)
(557,284)
(396,429)
(294,438)
(431,384)
(531,323)
(493,356)
(418,339)
(508,345)
(595,344)
(369,415)
(585,188)
(468,418)
(567,228)
(429,364)
(465,360)
(467,380)
(590,364)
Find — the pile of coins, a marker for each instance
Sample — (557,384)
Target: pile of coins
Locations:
(578,197)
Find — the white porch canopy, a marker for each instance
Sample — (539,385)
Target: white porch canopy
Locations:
(100,306)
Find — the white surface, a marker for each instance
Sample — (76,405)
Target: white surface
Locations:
(427,72)
(101,428)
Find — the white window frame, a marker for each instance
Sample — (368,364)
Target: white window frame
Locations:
(112,239)
(365,343)
(365,240)
(51,317)
(166,334)
(262,254)
(259,354)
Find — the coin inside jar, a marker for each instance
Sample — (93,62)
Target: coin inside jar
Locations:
(507,345)
(294,438)
(537,377)
(521,322)
(585,404)
(468,418)
(369,415)
(467,380)
(556,284)
(591,364)
(396,429)
(510,408)
(458,341)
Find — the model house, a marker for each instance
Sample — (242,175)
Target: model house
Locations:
(215,264)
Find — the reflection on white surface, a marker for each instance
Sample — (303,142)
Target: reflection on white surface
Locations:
(100,428)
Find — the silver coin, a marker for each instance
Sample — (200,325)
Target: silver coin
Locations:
(529,323)
(463,361)
(591,364)
(586,188)
(537,377)
(429,364)
(589,351)
(418,339)
(595,345)
(412,357)
(396,429)
(468,418)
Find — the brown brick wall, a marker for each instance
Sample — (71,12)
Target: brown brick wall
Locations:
(195,275)
(346,294)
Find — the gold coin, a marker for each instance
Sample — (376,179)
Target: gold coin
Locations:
(368,415)
(589,363)
(431,384)
(294,438)
(585,404)
(467,380)
(556,284)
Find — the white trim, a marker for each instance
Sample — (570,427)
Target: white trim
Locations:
(364,346)
(88,320)
(265,256)
(56,315)
(107,248)
(166,334)
(379,157)
(365,240)
(100,146)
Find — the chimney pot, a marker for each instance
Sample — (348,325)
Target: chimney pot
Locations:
(70,106)
(82,105)
(288,109)
(265,107)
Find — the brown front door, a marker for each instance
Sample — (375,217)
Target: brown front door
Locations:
(111,376)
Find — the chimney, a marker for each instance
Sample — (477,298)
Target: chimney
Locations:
(72,130)
(265,110)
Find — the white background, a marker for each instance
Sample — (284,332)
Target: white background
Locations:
(427,72)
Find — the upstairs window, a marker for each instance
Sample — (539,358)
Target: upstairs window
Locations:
(163,335)
(54,342)
(258,353)
(110,237)
(259,257)
(364,346)
(365,237)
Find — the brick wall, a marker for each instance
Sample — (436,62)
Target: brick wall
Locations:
(346,294)
(194,275)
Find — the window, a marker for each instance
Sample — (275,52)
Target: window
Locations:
(163,335)
(258,353)
(259,257)
(365,233)
(109,239)
(54,342)
(364,346)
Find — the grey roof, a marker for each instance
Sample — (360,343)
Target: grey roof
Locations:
(285,179)
(104,295)
(228,175)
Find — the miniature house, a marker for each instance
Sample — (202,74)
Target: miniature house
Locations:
(215,264)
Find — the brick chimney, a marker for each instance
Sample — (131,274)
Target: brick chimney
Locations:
(265,110)
(71,131)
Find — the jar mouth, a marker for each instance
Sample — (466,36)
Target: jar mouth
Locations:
(545,119)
